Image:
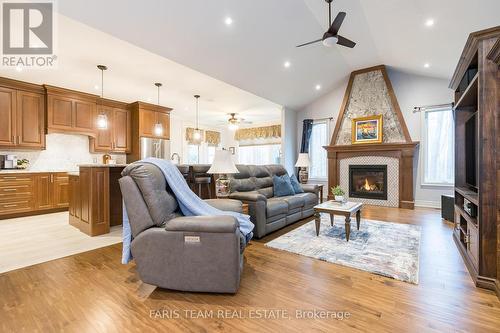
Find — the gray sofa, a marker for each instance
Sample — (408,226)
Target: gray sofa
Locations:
(196,253)
(254,185)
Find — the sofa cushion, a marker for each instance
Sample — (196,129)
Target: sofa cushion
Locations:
(266,191)
(282,186)
(297,188)
(161,203)
(294,201)
(310,199)
(276,206)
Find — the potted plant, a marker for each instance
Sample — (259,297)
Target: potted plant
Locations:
(338,192)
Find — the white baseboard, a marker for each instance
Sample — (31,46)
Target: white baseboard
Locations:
(427,204)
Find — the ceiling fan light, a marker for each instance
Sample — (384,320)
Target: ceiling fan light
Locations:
(330,41)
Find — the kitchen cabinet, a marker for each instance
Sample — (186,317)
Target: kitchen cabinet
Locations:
(22,115)
(95,201)
(71,111)
(116,138)
(33,193)
(148,115)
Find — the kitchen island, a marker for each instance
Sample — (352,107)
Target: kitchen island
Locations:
(95,200)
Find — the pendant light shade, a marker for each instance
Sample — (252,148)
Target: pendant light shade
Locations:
(197,134)
(102,118)
(158,128)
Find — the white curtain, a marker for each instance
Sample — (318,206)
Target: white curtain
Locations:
(439,147)
(317,154)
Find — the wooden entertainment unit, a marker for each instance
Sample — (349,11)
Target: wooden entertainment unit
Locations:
(476,83)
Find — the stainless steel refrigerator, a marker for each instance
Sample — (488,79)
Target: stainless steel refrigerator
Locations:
(159,148)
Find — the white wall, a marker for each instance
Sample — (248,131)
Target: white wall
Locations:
(411,90)
(289,149)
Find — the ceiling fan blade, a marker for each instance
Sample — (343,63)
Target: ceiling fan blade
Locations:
(334,29)
(319,40)
(345,42)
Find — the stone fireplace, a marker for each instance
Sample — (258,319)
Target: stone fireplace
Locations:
(373,173)
(368,181)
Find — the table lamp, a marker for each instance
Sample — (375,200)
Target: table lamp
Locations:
(303,164)
(222,165)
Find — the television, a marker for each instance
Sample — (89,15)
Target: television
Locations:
(471,151)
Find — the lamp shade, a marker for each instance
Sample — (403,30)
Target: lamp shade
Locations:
(223,163)
(303,160)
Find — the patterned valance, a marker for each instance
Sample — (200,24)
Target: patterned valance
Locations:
(212,138)
(190,136)
(253,133)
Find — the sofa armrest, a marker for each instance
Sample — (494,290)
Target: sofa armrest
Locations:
(310,188)
(248,196)
(228,205)
(207,224)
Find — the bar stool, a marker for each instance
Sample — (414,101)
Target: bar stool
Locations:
(203,181)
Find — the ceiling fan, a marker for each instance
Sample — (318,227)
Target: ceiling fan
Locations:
(331,37)
(233,122)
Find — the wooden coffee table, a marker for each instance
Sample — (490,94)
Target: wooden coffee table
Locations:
(333,208)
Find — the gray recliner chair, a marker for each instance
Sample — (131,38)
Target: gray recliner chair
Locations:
(254,186)
(195,253)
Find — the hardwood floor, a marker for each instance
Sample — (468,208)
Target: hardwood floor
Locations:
(92,292)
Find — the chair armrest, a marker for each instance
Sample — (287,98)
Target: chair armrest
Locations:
(248,196)
(311,188)
(208,224)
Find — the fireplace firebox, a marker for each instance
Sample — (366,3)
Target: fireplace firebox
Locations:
(368,181)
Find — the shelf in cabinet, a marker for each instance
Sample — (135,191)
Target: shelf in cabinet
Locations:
(469,96)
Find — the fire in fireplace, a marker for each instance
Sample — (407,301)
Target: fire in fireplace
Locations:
(368,181)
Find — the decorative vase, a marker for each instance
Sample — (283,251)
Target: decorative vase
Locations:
(303,175)
(339,198)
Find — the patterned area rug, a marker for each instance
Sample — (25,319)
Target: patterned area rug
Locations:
(384,248)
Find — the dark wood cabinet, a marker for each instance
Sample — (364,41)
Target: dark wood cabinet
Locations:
(477,167)
(22,115)
(147,121)
(103,141)
(70,111)
(60,190)
(122,128)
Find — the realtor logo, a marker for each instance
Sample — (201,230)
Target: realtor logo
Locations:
(28,34)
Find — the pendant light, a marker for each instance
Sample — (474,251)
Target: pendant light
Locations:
(197,132)
(158,129)
(102,118)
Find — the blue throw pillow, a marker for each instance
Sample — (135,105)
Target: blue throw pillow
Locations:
(297,188)
(282,186)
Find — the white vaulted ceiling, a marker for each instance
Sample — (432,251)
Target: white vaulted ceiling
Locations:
(250,53)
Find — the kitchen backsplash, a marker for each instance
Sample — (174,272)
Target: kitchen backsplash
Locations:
(64,152)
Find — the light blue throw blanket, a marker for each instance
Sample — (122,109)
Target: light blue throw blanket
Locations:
(189,203)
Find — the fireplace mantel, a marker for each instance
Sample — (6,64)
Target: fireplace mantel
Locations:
(404,152)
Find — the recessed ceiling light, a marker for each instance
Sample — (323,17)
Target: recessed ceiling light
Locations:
(96,87)
(427,65)
(287,64)
(318,87)
(19,68)
(228,20)
(429,22)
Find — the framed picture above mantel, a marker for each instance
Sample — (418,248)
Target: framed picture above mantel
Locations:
(367,130)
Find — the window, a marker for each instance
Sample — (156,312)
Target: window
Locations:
(192,154)
(259,154)
(317,154)
(438,147)
(210,154)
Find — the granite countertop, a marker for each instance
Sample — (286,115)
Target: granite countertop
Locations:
(8,171)
(96,165)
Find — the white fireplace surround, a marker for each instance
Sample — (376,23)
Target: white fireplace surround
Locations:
(392,178)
